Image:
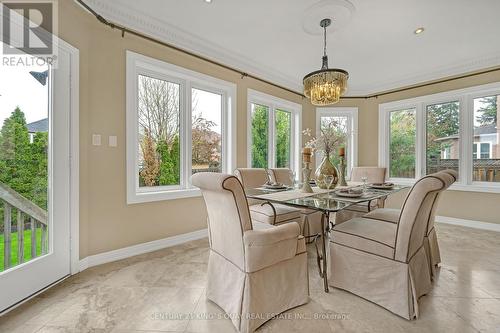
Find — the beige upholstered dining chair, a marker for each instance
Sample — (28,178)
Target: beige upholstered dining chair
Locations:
(263,211)
(386,263)
(373,175)
(430,240)
(311,219)
(252,274)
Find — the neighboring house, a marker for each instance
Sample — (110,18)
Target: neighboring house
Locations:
(41,125)
(486,144)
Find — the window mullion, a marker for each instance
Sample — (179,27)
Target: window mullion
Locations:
(383,142)
(293,140)
(350,146)
(271,158)
(225,151)
(421,141)
(249,133)
(186,126)
(466,139)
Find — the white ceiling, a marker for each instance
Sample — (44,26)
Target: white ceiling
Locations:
(376,45)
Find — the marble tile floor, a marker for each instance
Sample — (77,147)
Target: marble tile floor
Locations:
(163,291)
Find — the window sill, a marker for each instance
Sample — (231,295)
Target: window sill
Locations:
(476,187)
(488,188)
(143,197)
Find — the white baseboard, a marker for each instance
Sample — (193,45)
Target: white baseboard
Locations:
(468,223)
(84,264)
(134,250)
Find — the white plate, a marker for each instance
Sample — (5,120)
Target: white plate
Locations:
(382,187)
(275,187)
(348,195)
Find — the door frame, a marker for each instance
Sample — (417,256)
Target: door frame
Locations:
(74,209)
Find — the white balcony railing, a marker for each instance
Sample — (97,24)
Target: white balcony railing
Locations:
(20,215)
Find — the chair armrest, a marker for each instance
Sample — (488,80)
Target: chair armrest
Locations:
(384,214)
(272,235)
(267,247)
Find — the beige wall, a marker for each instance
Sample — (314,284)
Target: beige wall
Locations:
(106,221)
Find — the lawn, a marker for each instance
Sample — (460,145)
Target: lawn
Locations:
(27,247)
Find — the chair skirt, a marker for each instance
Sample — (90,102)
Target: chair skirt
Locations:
(251,299)
(392,284)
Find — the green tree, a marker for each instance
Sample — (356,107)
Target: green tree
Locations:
(283,133)
(175,157)
(15,155)
(39,171)
(169,173)
(150,166)
(402,144)
(488,111)
(260,122)
(442,121)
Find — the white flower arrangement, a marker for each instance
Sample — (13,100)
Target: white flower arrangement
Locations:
(333,134)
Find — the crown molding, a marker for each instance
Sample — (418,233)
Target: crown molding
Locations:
(120,13)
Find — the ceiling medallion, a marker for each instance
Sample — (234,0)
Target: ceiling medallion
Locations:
(325,86)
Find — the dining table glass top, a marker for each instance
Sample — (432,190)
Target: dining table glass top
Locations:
(321,200)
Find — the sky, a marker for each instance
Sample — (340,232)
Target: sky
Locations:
(210,106)
(19,88)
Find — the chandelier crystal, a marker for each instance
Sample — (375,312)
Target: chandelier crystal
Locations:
(324,87)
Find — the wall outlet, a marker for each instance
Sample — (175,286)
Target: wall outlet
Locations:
(113,141)
(96,139)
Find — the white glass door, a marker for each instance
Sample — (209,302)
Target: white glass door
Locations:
(34,178)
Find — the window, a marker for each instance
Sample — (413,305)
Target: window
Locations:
(260,135)
(402,131)
(274,132)
(179,122)
(446,153)
(158,132)
(486,139)
(283,138)
(206,131)
(442,128)
(484,149)
(453,130)
(344,119)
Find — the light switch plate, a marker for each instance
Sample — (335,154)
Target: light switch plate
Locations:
(96,139)
(113,141)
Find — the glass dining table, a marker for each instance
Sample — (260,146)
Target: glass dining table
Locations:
(325,201)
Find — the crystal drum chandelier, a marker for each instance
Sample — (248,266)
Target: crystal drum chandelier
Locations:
(324,87)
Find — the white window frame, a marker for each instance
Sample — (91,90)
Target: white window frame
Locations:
(466,98)
(352,123)
(275,103)
(138,64)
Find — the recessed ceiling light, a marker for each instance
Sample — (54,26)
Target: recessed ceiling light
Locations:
(208,1)
(418,31)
